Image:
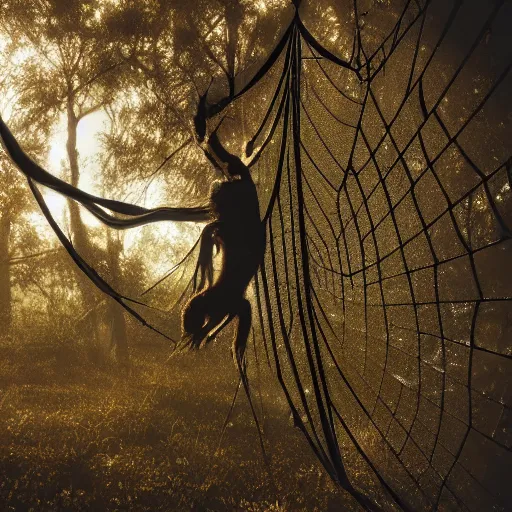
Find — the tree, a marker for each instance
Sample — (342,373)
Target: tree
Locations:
(70,72)
(18,239)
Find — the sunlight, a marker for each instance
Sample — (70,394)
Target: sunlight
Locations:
(261,6)
(89,148)
(58,208)
(174,236)
(175,240)
(55,201)
(264,5)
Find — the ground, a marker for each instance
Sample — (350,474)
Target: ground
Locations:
(78,435)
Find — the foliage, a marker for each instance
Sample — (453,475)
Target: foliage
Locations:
(80,436)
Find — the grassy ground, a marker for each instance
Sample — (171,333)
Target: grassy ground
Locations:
(81,436)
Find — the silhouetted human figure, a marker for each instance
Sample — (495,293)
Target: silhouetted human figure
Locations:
(238,232)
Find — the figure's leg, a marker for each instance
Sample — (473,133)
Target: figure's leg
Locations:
(244,326)
(194,314)
(219,328)
(239,346)
(201,316)
(202,334)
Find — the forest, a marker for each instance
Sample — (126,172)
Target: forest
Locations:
(366,363)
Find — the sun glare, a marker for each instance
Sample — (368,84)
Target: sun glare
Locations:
(175,236)
(88,150)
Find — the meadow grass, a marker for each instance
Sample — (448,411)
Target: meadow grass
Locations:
(78,435)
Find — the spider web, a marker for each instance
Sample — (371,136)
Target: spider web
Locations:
(384,299)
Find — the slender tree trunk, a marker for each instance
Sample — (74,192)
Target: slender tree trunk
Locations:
(115,311)
(78,230)
(5,276)
(77,226)
(119,338)
(233,18)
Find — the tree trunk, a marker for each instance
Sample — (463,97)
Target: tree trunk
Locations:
(115,312)
(78,230)
(233,15)
(79,235)
(5,276)
(119,338)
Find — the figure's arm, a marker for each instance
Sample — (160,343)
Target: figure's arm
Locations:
(235,166)
(204,266)
(215,151)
